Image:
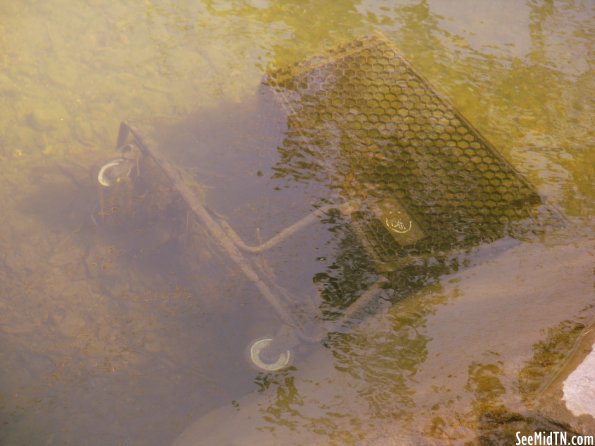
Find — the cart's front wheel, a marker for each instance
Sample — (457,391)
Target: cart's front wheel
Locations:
(260,358)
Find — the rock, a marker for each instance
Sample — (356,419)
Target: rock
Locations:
(579,387)
(83,131)
(570,398)
(42,119)
(45,127)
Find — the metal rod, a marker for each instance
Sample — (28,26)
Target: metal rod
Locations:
(285,233)
(225,242)
(359,304)
(231,243)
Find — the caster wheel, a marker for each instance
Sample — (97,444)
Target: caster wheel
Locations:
(114,172)
(259,359)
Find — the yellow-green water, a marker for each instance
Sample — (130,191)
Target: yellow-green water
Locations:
(96,350)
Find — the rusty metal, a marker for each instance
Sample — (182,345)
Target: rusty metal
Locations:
(370,127)
(413,177)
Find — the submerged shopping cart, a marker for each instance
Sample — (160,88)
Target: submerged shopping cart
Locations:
(415,182)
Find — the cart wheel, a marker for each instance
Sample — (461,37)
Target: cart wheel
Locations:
(259,359)
(114,172)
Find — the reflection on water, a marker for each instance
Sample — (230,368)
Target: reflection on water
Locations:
(128,327)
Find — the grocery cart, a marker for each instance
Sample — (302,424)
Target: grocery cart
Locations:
(415,180)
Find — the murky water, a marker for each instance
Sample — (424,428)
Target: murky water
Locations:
(116,331)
